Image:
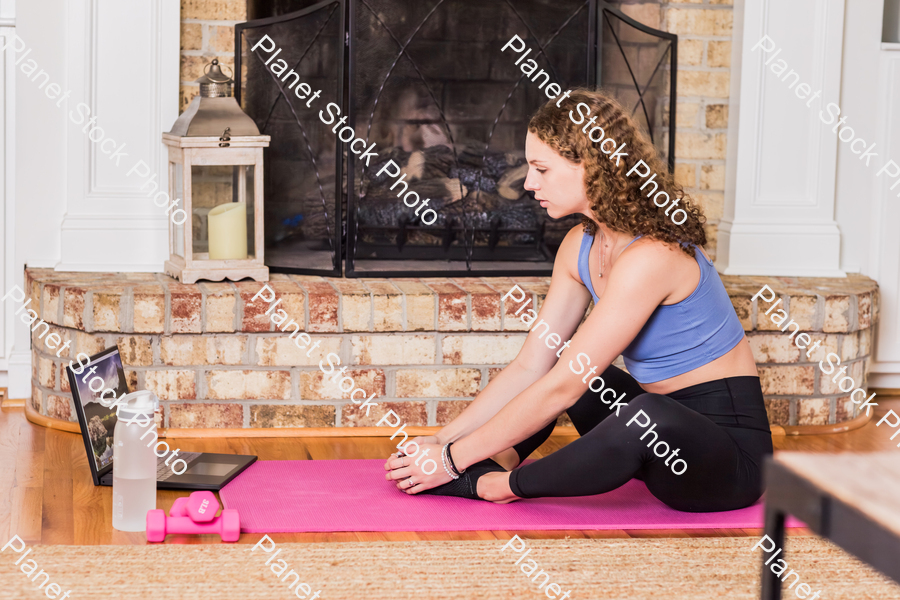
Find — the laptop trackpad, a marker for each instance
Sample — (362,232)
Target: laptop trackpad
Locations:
(201,467)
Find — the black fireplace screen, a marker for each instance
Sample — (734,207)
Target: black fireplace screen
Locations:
(426,82)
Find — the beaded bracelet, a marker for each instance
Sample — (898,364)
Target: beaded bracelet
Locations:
(444,462)
(450,458)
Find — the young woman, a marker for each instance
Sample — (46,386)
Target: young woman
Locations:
(658,301)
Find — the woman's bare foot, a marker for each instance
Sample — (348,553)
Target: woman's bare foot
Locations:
(494,487)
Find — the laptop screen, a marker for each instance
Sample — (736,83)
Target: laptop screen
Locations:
(103,372)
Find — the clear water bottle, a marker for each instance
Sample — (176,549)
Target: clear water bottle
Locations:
(134,462)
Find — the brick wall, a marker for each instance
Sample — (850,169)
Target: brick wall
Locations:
(704,53)
(704,29)
(839,313)
(207,32)
(424,347)
(215,359)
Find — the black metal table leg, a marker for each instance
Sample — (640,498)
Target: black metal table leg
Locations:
(774,528)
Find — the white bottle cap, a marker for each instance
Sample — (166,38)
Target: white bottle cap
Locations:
(142,402)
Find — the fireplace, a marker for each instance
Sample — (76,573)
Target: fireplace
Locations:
(427,83)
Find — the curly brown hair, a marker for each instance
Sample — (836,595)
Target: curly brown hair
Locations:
(616,198)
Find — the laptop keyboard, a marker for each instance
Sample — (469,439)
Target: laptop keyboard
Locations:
(164,471)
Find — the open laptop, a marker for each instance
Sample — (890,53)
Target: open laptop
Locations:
(205,471)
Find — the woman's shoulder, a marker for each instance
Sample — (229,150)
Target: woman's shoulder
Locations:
(567,256)
(647,247)
(573,239)
(655,258)
(571,245)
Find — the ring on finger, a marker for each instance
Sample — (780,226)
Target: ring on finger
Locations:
(411,482)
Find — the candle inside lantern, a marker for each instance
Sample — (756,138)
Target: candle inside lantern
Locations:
(228,231)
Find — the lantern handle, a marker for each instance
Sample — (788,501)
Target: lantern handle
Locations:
(215,62)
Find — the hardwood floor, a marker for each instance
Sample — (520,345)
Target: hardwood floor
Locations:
(48,496)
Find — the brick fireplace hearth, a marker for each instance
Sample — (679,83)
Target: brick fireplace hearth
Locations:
(424,346)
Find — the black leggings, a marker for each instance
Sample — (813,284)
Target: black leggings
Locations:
(720,429)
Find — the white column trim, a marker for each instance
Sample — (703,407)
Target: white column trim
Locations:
(769,228)
(781,249)
(111,225)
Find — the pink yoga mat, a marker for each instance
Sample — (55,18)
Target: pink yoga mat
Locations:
(352,495)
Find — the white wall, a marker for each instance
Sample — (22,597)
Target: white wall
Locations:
(40,164)
(7,183)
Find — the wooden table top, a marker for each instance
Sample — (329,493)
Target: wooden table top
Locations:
(870,482)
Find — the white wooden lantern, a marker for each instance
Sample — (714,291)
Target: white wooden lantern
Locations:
(216,168)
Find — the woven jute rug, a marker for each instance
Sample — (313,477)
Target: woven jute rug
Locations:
(673,569)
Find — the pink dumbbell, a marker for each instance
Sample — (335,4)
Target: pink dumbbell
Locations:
(201,507)
(179,508)
(228,525)
(159,525)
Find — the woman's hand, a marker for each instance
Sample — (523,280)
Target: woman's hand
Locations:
(421,440)
(410,471)
(427,439)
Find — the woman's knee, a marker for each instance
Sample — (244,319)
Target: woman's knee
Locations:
(644,406)
(650,414)
(601,400)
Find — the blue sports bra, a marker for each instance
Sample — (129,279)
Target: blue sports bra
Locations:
(678,338)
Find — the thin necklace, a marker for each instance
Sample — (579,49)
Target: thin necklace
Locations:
(602,243)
